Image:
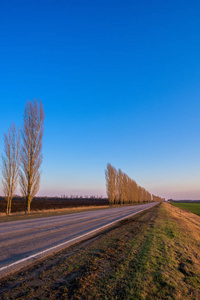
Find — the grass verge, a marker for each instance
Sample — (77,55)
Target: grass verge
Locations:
(154,256)
(193,207)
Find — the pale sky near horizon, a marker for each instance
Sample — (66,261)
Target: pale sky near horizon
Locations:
(120,83)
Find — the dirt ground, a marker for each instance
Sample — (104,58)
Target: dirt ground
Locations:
(47,203)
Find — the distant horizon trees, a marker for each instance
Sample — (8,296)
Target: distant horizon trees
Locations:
(122,190)
(157,199)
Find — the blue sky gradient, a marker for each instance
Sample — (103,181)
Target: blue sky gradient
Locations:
(120,83)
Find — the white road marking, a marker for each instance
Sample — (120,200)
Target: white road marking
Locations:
(67,242)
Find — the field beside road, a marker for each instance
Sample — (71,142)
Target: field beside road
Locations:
(155,255)
(48,203)
(49,206)
(193,207)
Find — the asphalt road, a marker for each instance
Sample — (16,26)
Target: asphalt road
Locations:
(23,242)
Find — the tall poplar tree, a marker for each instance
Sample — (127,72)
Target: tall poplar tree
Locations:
(31,155)
(10,165)
(110,174)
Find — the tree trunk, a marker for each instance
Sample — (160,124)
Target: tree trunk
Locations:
(9,208)
(28,205)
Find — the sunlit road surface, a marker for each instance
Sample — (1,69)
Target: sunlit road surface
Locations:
(23,242)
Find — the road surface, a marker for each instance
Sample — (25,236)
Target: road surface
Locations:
(23,242)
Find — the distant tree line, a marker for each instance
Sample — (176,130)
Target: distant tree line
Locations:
(157,198)
(122,190)
(22,156)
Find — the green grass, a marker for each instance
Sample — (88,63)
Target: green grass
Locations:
(193,207)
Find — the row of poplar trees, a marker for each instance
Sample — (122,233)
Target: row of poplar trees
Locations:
(22,156)
(121,189)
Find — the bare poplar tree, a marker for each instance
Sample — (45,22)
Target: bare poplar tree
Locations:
(135,187)
(116,187)
(126,188)
(10,165)
(110,174)
(121,187)
(140,194)
(31,155)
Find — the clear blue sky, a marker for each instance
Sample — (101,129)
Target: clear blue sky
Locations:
(120,83)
